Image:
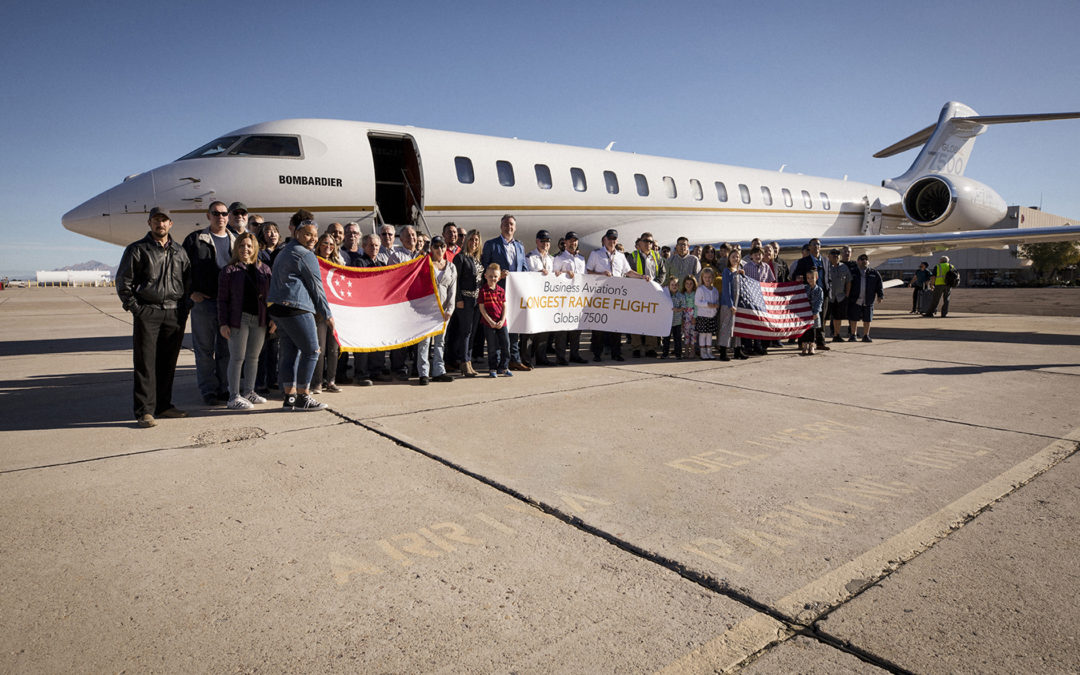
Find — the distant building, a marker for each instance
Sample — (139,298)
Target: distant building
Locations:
(75,277)
(981,266)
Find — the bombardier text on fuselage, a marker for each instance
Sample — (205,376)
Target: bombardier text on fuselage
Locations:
(375,173)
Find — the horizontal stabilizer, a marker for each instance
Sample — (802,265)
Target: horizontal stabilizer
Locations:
(920,137)
(913,141)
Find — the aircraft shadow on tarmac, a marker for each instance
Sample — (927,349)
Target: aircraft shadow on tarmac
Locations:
(932,332)
(65,345)
(978,370)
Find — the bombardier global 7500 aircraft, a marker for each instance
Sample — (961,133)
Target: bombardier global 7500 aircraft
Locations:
(378,173)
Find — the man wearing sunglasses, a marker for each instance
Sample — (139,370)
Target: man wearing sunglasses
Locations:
(209,250)
(238,218)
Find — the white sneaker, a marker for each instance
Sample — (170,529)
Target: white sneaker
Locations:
(239,403)
(254,398)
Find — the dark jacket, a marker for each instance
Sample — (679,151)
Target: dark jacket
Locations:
(469,277)
(152,275)
(230,294)
(361,260)
(204,268)
(781,269)
(802,265)
(349,258)
(874,287)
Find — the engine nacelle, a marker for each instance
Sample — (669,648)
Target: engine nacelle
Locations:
(962,203)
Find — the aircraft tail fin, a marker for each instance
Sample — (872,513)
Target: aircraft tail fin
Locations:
(947,144)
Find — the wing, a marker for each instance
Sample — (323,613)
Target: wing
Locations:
(916,243)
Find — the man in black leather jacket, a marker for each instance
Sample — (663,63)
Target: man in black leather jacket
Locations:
(153,282)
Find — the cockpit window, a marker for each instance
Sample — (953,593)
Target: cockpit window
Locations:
(268,146)
(214,148)
(249,146)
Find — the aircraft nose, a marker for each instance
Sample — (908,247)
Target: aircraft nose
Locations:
(91,218)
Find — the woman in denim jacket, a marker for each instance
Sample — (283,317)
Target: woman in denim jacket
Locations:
(296,295)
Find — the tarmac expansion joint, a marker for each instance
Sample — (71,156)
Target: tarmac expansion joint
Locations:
(771,626)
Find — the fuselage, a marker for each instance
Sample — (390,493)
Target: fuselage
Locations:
(372,173)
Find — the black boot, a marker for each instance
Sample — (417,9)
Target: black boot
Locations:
(739,354)
(723,354)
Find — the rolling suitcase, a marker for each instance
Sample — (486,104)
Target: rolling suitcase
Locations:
(926,301)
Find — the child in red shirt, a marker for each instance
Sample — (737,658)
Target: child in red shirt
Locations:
(492,305)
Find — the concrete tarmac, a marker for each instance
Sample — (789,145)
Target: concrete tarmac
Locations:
(905,505)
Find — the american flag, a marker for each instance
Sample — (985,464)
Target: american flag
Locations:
(771,311)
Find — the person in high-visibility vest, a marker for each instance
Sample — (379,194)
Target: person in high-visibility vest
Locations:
(941,289)
(646,263)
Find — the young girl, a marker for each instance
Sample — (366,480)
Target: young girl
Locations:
(492,305)
(706,302)
(674,338)
(817,296)
(730,300)
(686,303)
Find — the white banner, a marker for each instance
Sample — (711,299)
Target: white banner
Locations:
(537,303)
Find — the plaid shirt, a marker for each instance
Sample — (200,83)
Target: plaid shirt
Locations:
(494,301)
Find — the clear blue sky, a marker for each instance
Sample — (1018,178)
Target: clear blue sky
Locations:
(96,91)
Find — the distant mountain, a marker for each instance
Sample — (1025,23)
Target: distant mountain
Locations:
(87,266)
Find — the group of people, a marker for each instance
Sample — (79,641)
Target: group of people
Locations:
(260,320)
(935,284)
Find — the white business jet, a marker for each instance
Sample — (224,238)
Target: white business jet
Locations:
(378,173)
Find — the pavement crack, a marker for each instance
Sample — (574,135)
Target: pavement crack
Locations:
(707,582)
(873,659)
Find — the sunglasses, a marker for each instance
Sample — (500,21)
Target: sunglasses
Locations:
(220,214)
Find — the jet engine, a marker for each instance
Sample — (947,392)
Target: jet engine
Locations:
(956,202)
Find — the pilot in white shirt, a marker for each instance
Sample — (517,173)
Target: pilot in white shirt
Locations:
(606,260)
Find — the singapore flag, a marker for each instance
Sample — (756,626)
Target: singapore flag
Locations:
(379,308)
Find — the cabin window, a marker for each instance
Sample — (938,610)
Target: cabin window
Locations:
(268,146)
(744,192)
(216,147)
(824,201)
(695,189)
(543,176)
(669,187)
(721,191)
(611,182)
(788,201)
(766,195)
(506,173)
(464,170)
(577,177)
(642,184)
(807,202)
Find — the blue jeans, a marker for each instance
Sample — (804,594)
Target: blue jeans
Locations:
(437,366)
(245,343)
(299,350)
(498,340)
(211,349)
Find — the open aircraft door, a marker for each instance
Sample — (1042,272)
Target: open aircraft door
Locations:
(399,188)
